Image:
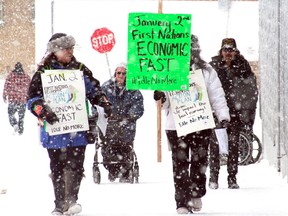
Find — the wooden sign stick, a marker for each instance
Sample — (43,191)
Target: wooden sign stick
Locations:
(159,148)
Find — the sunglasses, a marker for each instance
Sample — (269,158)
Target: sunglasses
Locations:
(228,50)
(123,73)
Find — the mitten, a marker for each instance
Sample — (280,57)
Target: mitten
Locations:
(106,104)
(225,124)
(107,110)
(44,111)
(159,95)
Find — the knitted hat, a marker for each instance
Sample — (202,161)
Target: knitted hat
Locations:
(18,68)
(60,41)
(229,43)
(121,64)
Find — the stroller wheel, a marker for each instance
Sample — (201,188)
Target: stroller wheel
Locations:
(136,174)
(96,175)
(131,177)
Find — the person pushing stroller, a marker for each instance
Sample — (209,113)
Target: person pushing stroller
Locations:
(117,143)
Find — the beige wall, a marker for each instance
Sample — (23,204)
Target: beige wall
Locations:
(17,35)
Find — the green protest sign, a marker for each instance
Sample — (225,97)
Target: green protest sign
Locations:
(158,51)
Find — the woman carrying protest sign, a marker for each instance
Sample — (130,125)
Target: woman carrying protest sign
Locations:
(190,151)
(66,150)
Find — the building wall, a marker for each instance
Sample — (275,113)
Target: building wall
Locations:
(273,43)
(17,35)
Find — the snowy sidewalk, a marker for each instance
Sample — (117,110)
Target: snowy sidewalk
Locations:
(29,189)
(24,169)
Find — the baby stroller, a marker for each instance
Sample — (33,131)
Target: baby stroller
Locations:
(119,159)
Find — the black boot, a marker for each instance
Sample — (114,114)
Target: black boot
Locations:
(73,181)
(213,182)
(232,182)
(59,193)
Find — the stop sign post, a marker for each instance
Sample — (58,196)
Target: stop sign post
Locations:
(103,40)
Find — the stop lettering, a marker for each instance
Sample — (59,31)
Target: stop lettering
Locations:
(103,40)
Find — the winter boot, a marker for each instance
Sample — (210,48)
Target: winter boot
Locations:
(57,211)
(73,181)
(232,182)
(73,209)
(233,186)
(213,182)
(59,192)
(182,210)
(196,204)
(111,177)
(213,185)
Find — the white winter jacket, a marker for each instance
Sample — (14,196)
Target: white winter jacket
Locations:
(216,97)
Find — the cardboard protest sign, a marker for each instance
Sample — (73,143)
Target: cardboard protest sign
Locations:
(64,91)
(191,109)
(158,51)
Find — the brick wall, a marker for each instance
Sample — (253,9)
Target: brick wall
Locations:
(17,35)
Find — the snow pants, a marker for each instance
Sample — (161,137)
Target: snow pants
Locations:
(232,162)
(190,161)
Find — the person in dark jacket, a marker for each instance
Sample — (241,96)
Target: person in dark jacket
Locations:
(190,152)
(67,150)
(118,142)
(241,92)
(15,93)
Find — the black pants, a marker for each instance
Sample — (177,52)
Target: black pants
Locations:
(14,107)
(67,170)
(232,163)
(190,161)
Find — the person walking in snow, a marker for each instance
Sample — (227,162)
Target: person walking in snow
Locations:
(241,92)
(15,94)
(190,152)
(118,142)
(66,151)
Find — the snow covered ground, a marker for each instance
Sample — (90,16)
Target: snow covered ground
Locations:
(24,169)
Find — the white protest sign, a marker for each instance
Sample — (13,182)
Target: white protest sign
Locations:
(191,108)
(64,91)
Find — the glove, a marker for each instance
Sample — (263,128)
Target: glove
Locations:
(44,111)
(225,124)
(107,110)
(159,95)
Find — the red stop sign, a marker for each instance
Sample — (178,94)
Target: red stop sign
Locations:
(103,40)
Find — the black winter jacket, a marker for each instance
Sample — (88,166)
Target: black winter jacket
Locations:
(240,87)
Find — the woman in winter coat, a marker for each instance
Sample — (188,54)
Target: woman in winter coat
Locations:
(66,151)
(190,152)
(127,108)
(241,92)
